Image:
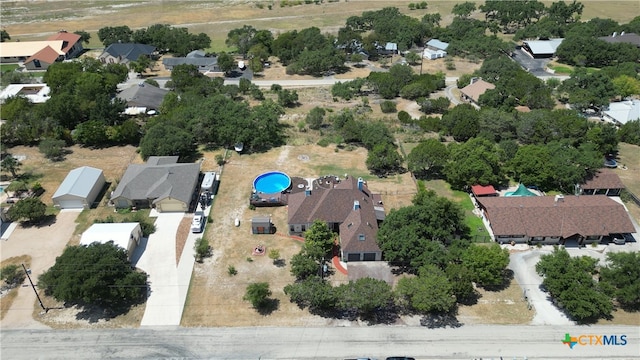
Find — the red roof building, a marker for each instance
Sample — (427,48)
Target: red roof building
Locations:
(481,190)
(71,45)
(42,59)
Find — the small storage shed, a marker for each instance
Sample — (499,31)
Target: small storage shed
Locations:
(124,235)
(79,189)
(261,225)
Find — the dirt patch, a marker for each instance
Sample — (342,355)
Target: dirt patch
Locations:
(113,161)
(505,307)
(181,236)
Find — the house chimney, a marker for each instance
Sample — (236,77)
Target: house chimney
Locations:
(622,33)
(360,183)
(356,205)
(614,34)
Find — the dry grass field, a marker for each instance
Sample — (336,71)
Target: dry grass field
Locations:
(29,20)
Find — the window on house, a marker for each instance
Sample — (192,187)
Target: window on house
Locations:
(361,237)
(304,228)
(36,63)
(291,228)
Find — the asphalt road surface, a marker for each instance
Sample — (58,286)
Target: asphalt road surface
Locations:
(466,342)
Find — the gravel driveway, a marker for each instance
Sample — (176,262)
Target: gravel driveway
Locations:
(43,244)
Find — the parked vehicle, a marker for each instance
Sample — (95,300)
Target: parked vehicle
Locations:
(618,239)
(197,224)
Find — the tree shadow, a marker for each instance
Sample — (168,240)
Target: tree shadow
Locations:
(95,313)
(279,263)
(268,307)
(440,321)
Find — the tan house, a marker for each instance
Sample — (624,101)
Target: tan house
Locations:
(472,92)
(560,219)
(348,207)
(19,51)
(161,183)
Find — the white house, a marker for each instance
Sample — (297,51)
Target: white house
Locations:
(36,93)
(623,111)
(435,49)
(79,189)
(124,235)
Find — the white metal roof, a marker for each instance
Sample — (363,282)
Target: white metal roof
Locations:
(119,233)
(36,93)
(544,46)
(624,111)
(437,44)
(79,182)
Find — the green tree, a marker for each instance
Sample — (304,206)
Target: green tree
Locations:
(303,266)
(315,117)
(31,209)
(10,164)
(626,86)
(413,57)
(164,139)
(487,263)
(429,292)
(428,158)
(318,241)
(413,236)
(464,9)
(97,274)
(4,36)
(570,281)
(365,296)
(314,293)
(226,62)
(383,159)
(12,275)
(258,295)
(288,98)
(630,132)
(461,280)
(141,64)
(477,161)
(463,122)
(91,133)
(202,249)
(53,149)
(621,277)
(85,37)
(113,34)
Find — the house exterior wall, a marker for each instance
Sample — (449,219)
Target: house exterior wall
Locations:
(171,205)
(107,58)
(12,59)
(37,65)
(75,50)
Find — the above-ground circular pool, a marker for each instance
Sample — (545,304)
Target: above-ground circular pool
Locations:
(272,182)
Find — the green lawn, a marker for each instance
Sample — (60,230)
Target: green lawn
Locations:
(8,67)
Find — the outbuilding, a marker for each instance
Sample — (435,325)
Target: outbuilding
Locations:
(79,189)
(261,225)
(124,235)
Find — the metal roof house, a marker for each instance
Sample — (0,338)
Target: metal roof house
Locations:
(79,189)
(124,235)
(435,49)
(623,111)
(162,183)
(542,48)
(36,93)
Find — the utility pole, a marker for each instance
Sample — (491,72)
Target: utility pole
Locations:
(34,288)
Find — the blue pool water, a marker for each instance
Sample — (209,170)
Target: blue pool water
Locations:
(272,182)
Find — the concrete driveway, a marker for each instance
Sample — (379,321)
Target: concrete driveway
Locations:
(523,265)
(158,260)
(43,244)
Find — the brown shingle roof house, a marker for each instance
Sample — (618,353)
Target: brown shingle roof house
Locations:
(473,91)
(72,43)
(555,219)
(604,182)
(42,59)
(348,207)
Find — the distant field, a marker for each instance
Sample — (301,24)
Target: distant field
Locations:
(29,20)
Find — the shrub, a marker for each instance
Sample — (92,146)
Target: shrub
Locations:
(12,275)
(388,106)
(231,270)
(404,117)
(276,87)
(219,159)
(202,249)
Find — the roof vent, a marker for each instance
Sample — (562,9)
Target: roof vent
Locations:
(559,198)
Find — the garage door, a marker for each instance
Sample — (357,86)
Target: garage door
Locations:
(353,257)
(369,257)
(171,206)
(71,204)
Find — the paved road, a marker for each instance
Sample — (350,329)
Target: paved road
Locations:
(467,342)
